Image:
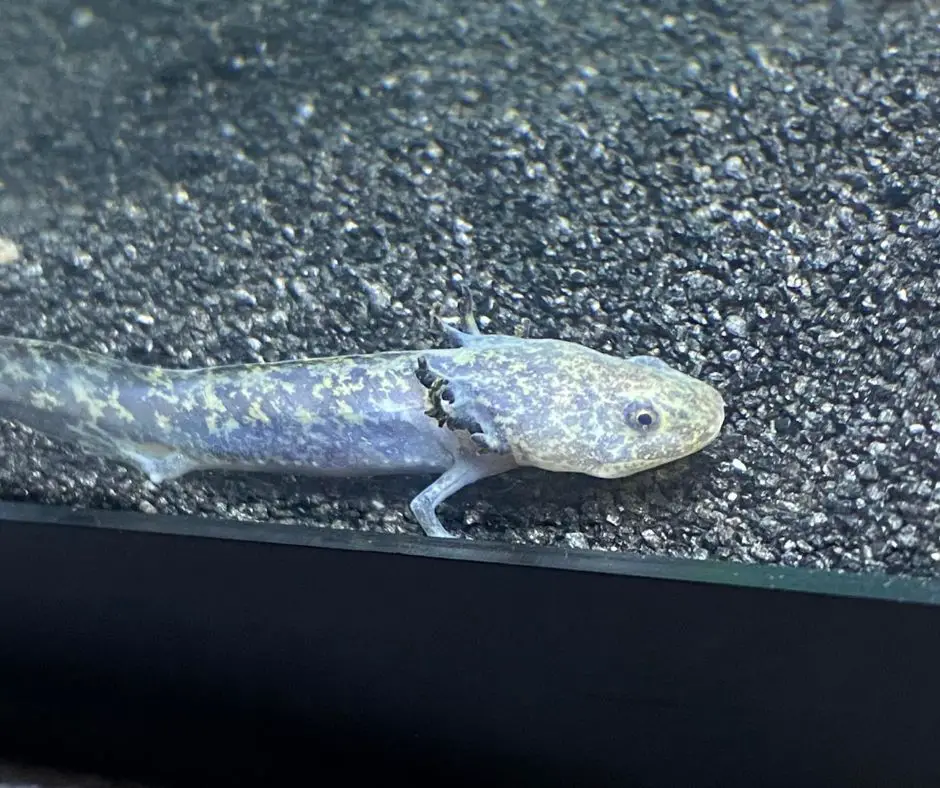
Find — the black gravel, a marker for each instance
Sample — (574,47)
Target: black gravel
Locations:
(748,190)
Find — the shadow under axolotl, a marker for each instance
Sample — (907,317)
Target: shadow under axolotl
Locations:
(489,509)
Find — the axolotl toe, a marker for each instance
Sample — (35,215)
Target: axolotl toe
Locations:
(490,404)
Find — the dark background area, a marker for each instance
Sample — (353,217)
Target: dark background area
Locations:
(195,652)
(747,190)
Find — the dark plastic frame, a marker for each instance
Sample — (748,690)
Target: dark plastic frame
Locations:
(190,649)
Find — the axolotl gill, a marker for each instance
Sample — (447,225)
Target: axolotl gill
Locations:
(487,405)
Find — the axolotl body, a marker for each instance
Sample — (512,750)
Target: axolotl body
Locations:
(485,406)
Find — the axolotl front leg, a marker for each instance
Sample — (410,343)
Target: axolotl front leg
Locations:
(455,406)
(466,470)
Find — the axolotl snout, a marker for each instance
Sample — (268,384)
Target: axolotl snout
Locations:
(490,404)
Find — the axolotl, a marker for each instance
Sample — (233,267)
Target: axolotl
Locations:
(488,404)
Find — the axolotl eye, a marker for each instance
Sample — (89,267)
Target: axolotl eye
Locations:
(641,416)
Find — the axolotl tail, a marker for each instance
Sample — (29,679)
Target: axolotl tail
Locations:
(73,396)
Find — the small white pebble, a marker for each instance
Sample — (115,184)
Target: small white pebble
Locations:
(244,297)
(82,260)
(736,325)
(82,17)
(588,72)
(576,541)
(735,168)
(652,538)
(304,112)
(9,251)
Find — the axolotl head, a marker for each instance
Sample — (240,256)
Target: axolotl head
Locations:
(611,417)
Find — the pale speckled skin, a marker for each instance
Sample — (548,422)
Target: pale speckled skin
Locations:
(496,402)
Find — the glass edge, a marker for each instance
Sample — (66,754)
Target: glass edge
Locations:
(893,588)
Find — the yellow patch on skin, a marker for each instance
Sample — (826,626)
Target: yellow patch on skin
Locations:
(118,408)
(94,405)
(157,376)
(211,399)
(191,401)
(343,387)
(346,412)
(256,412)
(305,417)
(45,400)
(14,370)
